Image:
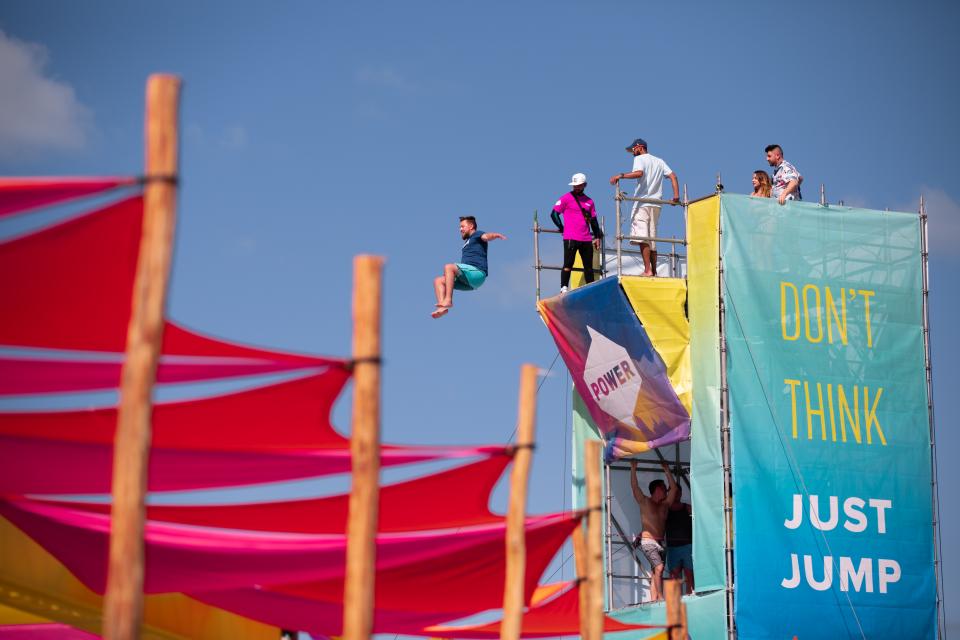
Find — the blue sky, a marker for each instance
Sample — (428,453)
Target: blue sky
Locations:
(314,131)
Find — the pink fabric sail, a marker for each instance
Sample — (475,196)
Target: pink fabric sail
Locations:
(558,615)
(318,618)
(459,497)
(21,376)
(471,580)
(23,194)
(32,465)
(279,417)
(178,340)
(447,588)
(266,434)
(196,559)
(69,286)
(43,631)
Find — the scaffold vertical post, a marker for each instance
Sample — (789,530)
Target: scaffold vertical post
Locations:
(725,450)
(823,195)
(603,247)
(608,530)
(619,235)
(928,367)
(686,203)
(536,251)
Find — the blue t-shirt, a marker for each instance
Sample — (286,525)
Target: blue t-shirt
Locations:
(475,251)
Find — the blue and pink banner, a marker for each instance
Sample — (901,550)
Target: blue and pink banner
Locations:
(615,368)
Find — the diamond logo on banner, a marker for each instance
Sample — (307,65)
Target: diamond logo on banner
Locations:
(612,377)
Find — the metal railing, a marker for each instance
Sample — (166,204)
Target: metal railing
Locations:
(538,267)
(673,258)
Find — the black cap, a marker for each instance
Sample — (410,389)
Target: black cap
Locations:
(639,141)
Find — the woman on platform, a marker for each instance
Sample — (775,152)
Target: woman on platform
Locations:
(761,184)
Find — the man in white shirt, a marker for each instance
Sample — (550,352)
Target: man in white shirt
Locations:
(786,178)
(649,172)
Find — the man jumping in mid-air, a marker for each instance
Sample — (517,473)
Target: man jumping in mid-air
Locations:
(470,272)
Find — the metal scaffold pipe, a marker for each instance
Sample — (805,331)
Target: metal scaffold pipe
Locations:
(536,250)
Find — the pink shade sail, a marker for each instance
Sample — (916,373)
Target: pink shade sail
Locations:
(196,559)
(22,376)
(22,194)
(31,465)
(446,588)
(178,340)
(319,618)
(266,434)
(43,631)
(458,497)
(69,286)
(554,616)
(279,417)
(469,580)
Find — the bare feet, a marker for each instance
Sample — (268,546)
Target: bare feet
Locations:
(439,312)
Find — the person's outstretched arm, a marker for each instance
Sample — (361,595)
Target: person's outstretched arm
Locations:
(629,175)
(637,494)
(671,483)
(487,237)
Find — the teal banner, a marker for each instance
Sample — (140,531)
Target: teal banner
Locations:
(829,423)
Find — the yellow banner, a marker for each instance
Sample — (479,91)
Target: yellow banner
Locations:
(660,305)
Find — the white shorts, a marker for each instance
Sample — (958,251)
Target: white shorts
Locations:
(643,223)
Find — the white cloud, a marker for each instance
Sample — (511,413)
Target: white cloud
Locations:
(943,221)
(234,138)
(37,113)
(384,77)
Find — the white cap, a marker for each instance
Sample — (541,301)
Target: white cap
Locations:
(578,178)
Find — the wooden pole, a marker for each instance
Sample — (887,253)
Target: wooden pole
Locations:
(580,562)
(594,541)
(676,630)
(516,547)
(358,589)
(123,606)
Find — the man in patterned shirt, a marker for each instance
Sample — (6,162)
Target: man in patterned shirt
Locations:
(786,178)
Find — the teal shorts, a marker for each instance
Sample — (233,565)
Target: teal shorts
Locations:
(468,277)
(679,557)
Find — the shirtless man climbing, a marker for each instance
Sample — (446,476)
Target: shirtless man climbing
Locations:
(653,511)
